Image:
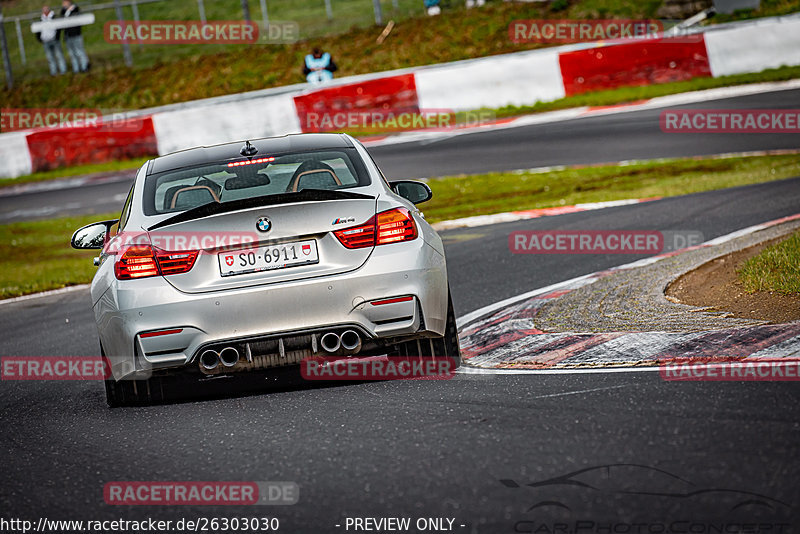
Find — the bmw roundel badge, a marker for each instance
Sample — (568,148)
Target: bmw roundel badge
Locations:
(264,224)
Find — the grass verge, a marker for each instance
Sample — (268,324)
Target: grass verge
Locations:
(36,256)
(465,196)
(776,268)
(80,170)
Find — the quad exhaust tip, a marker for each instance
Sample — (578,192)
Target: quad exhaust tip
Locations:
(229,356)
(209,360)
(330,342)
(351,341)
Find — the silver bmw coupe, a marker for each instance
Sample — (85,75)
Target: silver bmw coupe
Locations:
(252,256)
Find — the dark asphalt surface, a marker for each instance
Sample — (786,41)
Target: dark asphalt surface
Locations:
(624,136)
(700,456)
(704,455)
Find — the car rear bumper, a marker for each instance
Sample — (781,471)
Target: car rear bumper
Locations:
(147,324)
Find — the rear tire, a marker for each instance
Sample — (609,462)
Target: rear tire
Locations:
(445,346)
(132,392)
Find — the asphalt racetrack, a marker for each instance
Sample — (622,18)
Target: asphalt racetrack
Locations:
(584,453)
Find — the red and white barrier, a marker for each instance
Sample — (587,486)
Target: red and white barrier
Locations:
(15,158)
(634,63)
(492,82)
(213,124)
(754,47)
(518,79)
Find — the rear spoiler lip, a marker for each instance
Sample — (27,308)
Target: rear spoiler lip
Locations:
(215,208)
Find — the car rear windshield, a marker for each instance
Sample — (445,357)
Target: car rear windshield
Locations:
(261,175)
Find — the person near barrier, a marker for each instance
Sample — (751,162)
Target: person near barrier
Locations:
(432,7)
(319,67)
(51,39)
(74,39)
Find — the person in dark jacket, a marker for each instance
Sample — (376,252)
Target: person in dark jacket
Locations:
(51,39)
(319,67)
(74,39)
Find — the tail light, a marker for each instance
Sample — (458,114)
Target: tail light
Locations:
(142,261)
(392,226)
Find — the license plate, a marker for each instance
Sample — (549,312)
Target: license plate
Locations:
(268,258)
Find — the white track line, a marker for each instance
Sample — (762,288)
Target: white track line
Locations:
(463,370)
(486,310)
(465,320)
(68,289)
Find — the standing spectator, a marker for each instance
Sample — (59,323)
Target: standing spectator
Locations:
(74,39)
(51,39)
(319,67)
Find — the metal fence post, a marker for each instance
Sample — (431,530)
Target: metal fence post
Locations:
(378,13)
(264,13)
(135,8)
(6,58)
(328,9)
(21,42)
(246,10)
(202,7)
(126,48)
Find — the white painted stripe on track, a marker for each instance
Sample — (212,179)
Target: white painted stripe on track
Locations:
(486,310)
(464,370)
(68,289)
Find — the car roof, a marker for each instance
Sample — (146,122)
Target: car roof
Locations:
(265,146)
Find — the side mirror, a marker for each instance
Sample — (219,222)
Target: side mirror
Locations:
(413,191)
(92,235)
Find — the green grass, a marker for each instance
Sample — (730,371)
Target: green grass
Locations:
(633,94)
(36,256)
(776,268)
(79,170)
(165,74)
(465,196)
